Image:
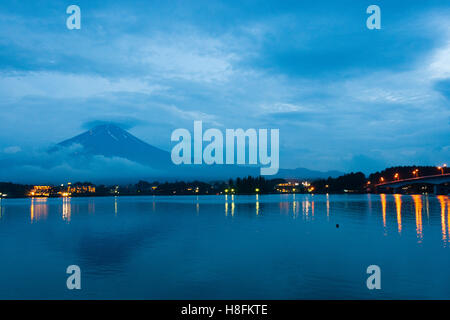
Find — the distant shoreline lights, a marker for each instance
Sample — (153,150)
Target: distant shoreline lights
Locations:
(213,153)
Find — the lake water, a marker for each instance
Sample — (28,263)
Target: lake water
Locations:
(213,247)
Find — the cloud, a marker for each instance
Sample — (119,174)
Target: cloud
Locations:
(37,166)
(125,123)
(190,57)
(68,86)
(443,87)
(280,108)
(12,149)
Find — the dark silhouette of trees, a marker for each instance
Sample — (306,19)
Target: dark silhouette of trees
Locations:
(14,190)
(352,182)
(355,182)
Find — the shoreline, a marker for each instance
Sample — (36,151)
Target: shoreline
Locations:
(236,194)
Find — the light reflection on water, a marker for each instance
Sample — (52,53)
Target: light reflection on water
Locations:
(443,200)
(189,242)
(39,209)
(418,211)
(398,207)
(383,208)
(67,209)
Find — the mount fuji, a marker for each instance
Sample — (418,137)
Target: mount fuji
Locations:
(109,140)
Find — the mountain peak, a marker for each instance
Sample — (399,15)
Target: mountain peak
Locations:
(106,126)
(110,130)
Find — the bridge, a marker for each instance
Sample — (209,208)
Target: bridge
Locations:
(435,180)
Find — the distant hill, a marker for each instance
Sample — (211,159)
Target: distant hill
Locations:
(302,173)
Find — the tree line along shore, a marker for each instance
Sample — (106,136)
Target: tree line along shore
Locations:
(355,182)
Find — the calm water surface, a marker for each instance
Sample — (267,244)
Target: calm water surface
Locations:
(213,247)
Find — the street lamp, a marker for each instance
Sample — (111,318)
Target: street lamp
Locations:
(396,176)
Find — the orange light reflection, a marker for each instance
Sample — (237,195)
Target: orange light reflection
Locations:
(398,206)
(418,208)
(442,200)
(383,208)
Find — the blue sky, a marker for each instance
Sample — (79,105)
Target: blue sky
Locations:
(344,97)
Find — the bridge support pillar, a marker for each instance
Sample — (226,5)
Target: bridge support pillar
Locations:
(436,189)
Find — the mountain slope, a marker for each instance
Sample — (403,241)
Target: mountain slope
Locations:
(111,141)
